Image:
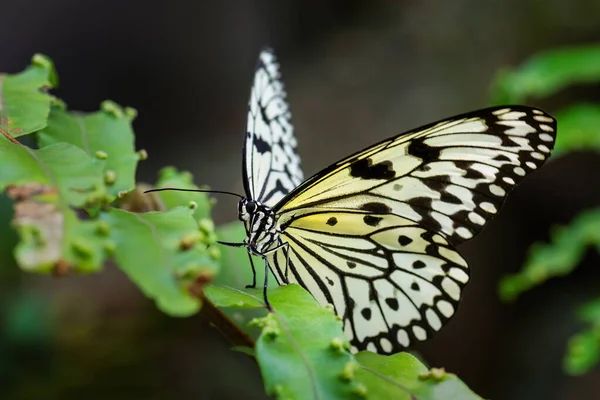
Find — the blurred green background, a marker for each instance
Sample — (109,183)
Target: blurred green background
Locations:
(356,72)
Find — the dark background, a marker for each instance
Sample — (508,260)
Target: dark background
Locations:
(356,72)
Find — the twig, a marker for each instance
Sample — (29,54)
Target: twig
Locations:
(9,137)
(223,324)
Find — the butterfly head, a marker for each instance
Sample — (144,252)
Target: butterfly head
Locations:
(246,208)
(260,223)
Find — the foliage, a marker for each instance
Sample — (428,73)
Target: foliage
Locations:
(106,135)
(579,129)
(548,72)
(27,106)
(77,207)
(64,189)
(303,354)
(402,376)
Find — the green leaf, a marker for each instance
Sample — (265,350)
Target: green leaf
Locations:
(401,376)
(162,253)
(55,240)
(302,350)
(9,239)
(200,202)
(579,128)
(170,177)
(239,305)
(249,351)
(53,166)
(547,73)
(225,296)
(302,353)
(583,351)
(590,312)
(103,135)
(46,186)
(22,97)
(559,257)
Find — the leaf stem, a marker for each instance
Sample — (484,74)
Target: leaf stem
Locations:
(223,324)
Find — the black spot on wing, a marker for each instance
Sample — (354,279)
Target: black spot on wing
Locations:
(366,313)
(332,221)
(501,157)
(474,174)
(404,240)
(371,220)
(470,172)
(419,264)
(420,149)
(365,169)
(438,184)
(427,220)
(508,141)
(376,207)
(450,198)
(392,303)
(261,146)
(263,114)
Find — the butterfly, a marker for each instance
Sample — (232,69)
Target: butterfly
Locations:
(375,234)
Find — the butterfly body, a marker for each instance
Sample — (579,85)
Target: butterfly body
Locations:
(374,234)
(261,226)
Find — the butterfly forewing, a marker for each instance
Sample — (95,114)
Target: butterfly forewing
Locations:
(271,165)
(450,177)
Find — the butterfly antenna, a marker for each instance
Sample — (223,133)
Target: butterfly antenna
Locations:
(196,190)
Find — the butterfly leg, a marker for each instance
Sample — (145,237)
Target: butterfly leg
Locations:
(266,284)
(268,270)
(253,273)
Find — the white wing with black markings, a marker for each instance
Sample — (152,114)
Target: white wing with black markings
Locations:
(374,234)
(271,166)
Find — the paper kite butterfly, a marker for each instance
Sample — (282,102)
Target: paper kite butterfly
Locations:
(374,234)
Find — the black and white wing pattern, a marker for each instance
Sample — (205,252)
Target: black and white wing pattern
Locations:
(374,234)
(271,165)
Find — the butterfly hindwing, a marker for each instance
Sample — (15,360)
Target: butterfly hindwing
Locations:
(271,165)
(392,283)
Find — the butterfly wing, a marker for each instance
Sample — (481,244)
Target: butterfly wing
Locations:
(373,234)
(450,177)
(271,165)
(392,284)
